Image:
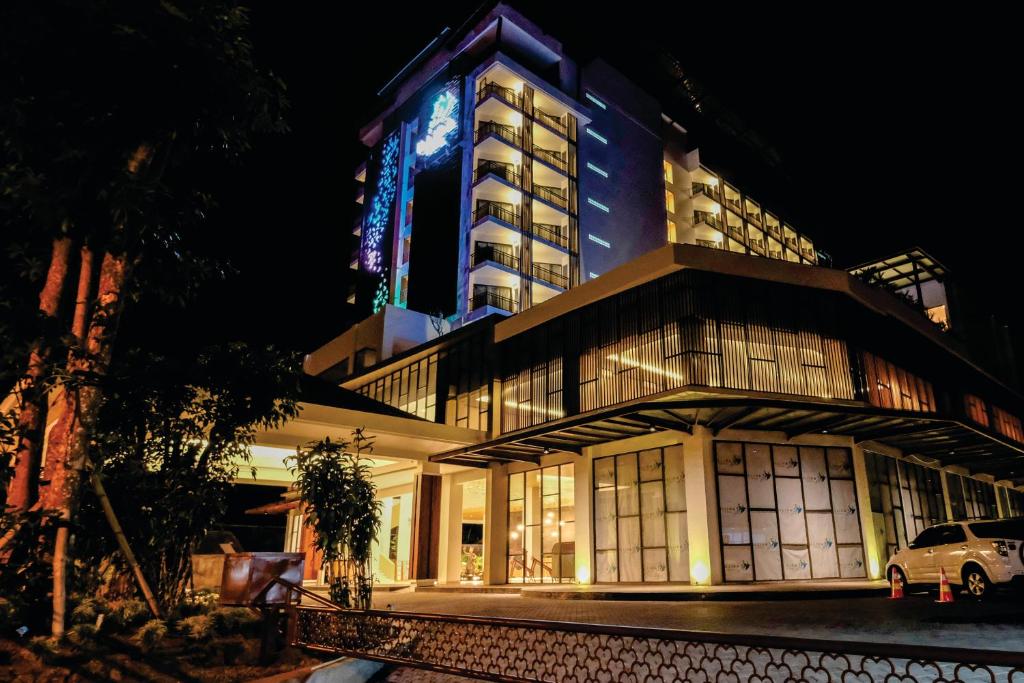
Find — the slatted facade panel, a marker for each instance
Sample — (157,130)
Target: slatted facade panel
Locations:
(889,386)
(688,328)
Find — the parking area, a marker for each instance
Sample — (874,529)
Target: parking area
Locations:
(993,624)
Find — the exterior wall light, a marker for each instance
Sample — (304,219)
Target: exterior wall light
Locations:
(700,572)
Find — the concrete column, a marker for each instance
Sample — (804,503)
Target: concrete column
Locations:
(450,546)
(702,508)
(496,526)
(872,526)
(584,498)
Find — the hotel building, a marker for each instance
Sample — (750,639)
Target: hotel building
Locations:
(589,357)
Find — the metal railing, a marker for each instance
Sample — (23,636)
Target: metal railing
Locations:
(496,168)
(550,120)
(705,188)
(754,217)
(492,299)
(508,95)
(552,233)
(551,194)
(711,244)
(502,649)
(549,274)
(500,130)
(551,157)
(736,233)
(487,251)
(503,212)
(734,203)
(707,217)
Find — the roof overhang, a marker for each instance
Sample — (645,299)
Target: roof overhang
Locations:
(945,440)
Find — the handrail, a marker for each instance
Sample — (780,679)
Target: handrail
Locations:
(487,207)
(487,252)
(497,168)
(551,157)
(481,299)
(549,275)
(551,233)
(501,92)
(551,194)
(502,130)
(550,120)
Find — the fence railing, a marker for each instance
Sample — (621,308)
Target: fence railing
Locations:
(492,299)
(551,275)
(500,210)
(556,234)
(496,168)
(552,158)
(490,88)
(501,649)
(552,195)
(502,130)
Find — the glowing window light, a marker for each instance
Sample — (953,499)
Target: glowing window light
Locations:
(597,204)
(444,120)
(598,170)
(592,275)
(631,363)
(594,134)
(597,240)
(595,100)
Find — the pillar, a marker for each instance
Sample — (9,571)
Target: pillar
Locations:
(702,508)
(872,526)
(583,489)
(496,526)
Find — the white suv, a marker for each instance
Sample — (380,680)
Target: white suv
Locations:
(975,555)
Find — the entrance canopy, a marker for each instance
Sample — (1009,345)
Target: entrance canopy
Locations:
(948,441)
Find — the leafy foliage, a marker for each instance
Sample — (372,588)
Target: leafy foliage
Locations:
(341,507)
(173,437)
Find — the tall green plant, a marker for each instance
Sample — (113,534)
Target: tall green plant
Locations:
(341,507)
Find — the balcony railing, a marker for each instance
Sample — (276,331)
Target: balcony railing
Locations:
(737,233)
(550,274)
(552,233)
(705,188)
(707,217)
(500,130)
(548,156)
(757,246)
(551,194)
(808,253)
(754,217)
(496,168)
(775,231)
(551,121)
(490,252)
(503,212)
(508,95)
(775,254)
(493,299)
(710,244)
(734,204)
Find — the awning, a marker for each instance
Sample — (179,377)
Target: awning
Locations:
(947,441)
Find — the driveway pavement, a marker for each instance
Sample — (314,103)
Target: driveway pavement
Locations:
(996,624)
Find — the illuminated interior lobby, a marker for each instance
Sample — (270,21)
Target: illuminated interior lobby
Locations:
(590,358)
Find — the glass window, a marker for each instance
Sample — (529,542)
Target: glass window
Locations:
(668,171)
(670,202)
(952,533)
(542,525)
(1010,529)
(787,512)
(927,538)
(640,521)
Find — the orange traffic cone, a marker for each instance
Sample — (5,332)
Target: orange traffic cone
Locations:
(945,594)
(897,586)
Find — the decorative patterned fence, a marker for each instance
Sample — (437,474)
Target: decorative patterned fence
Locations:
(522,650)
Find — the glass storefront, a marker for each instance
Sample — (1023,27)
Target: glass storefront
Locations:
(886,500)
(971,498)
(542,525)
(787,512)
(922,489)
(640,531)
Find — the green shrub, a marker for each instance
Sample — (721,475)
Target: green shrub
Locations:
(198,627)
(82,637)
(233,619)
(125,614)
(86,611)
(150,634)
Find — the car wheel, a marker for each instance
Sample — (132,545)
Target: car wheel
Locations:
(975,582)
(896,571)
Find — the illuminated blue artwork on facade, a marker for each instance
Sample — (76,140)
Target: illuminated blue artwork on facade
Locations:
(375,228)
(444,123)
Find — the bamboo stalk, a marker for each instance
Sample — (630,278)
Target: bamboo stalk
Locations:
(122,541)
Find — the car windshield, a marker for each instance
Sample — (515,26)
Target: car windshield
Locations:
(1004,528)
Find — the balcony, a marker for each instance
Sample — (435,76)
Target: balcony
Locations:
(754,218)
(734,204)
(707,218)
(551,233)
(553,122)
(775,231)
(551,274)
(506,95)
(705,189)
(495,253)
(552,195)
(711,244)
(551,158)
(736,232)
(757,246)
(505,171)
(502,131)
(494,300)
(501,211)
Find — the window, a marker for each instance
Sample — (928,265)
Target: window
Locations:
(542,525)
(952,533)
(668,171)
(927,538)
(787,512)
(1011,529)
(640,531)
(670,202)
(922,489)
(1007,424)
(597,136)
(671,230)
(408,212)
(976,409)
(886,500)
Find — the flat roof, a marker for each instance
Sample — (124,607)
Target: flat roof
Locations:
(903,269)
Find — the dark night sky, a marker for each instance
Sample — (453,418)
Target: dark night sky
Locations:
(892,127)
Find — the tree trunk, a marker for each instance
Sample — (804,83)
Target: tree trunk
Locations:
(23,488)
(81,408)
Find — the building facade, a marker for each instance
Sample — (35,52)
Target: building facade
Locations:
(602,361)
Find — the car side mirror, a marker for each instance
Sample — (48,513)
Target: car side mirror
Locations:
(912,546)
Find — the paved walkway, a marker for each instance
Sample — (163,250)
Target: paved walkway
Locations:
(996,624)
